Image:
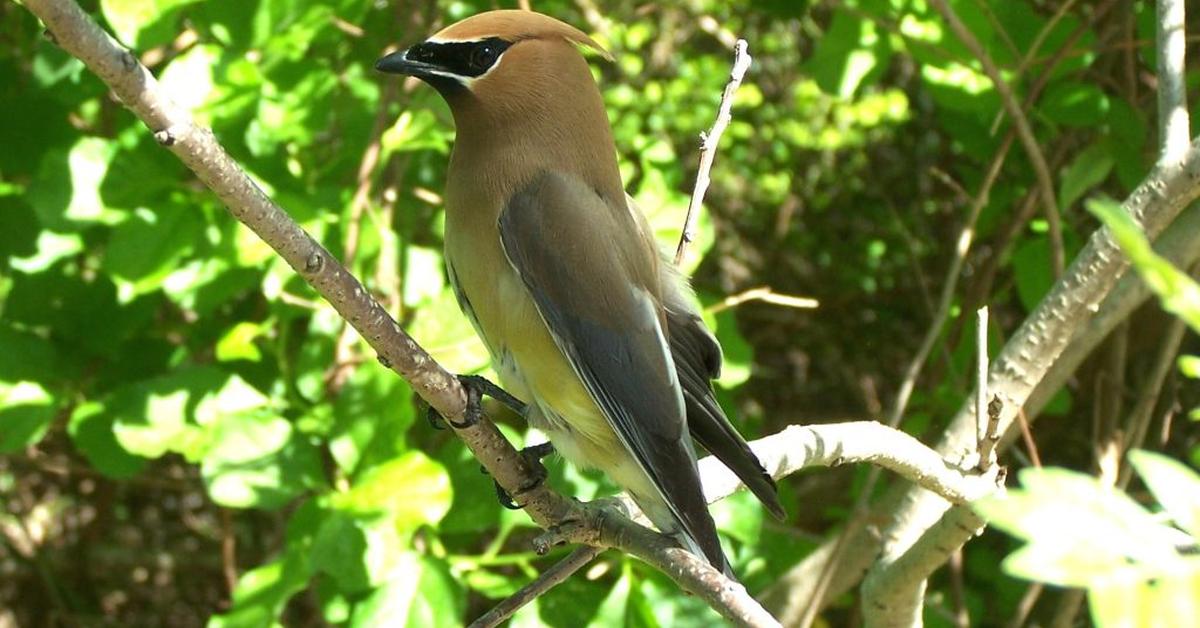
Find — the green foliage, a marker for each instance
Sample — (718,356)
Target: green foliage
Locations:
(1137,568)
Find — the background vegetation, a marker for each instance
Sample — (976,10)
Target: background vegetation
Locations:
(188,436)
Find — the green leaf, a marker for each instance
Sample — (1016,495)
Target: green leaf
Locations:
(846,55)
(66,192)
(1138,597)
(1032,271)
(28,356)
(152,417)
(448,336)
(423,278)
(129,17)
(413,489)
(238,343)
(1179,293)
(18,229)
(1074,104)
(739,516)
(1175,486)
(147,248)
(372,414)
(613,610)
(26,410)
(1189,365)
(491,584)
(262,592)
(415,130)
(188,78)
(1089,168)
(255,460)
(91,430)
(1077,528)
(340,550)
(423,593)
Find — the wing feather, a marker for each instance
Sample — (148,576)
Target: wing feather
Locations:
(600,304)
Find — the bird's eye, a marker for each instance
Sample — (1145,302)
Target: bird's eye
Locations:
(484,55)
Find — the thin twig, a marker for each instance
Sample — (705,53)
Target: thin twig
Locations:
(766,295)
(1027,437)
(549,579)
(1138,422)
(984,444)
(949,285)
(1024,131)
(1173,133)
(962,617)
(228,551)
(1025,606)
(1032,51)
(708,147)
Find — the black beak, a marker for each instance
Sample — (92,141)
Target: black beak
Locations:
(399,63)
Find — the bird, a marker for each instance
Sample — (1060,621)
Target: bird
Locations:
(558,271)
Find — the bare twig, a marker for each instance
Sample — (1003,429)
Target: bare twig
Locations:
(1027,438)
(1024,130)
(1032,51)
(228,551)
(1138,422)
(949,285)
(708,147)
(984,444)
(1173,130)
(1025,606)
(766,295)
(549,579)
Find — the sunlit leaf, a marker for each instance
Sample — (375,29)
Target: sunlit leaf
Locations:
(1179,293)
(1174,485)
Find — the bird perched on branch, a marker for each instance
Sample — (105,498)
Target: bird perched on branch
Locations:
(562,278)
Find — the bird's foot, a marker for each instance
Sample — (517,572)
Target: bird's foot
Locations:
(476,386)
(533,455)
(585,525)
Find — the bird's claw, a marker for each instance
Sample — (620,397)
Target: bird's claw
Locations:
(533,457)
(476,386)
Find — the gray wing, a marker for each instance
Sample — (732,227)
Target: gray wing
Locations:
(599,301)
(698,361)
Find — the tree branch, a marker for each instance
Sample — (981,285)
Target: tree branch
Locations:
(795,448)
(708,147)
(1173,130)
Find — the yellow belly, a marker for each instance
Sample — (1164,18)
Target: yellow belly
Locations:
(529,362)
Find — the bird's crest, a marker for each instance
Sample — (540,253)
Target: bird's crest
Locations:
(515,25)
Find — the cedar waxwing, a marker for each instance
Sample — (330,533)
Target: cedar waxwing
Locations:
(561,276)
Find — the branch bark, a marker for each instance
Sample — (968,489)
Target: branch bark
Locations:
(1173,123)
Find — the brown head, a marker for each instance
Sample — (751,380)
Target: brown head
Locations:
(517,81)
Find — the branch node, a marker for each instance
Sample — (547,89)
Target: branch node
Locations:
(314,263)
(165,137)
(128,61)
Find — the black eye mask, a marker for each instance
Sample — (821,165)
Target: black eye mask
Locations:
(467,59)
